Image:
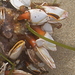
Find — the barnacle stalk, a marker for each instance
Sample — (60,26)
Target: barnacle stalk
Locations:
(49,40)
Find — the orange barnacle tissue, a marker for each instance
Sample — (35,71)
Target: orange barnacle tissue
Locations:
(38,30)
(25,15)
(7,72)
(30,39)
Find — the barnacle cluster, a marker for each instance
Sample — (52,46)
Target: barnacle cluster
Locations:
(28,52)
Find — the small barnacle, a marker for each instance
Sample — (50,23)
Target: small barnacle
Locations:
(6,25)
(3,68)
(16,50)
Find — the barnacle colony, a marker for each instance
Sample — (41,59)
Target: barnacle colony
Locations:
(27,51)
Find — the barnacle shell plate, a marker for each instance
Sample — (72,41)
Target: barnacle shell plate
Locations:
(56,11)
(16,3)
(20,72)
(27,3)
(44,55)
(16,50)
(38,16)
